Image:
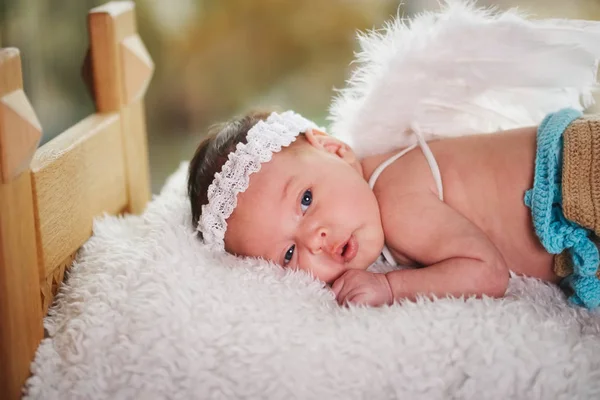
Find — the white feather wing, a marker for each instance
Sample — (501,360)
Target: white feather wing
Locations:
(461,71)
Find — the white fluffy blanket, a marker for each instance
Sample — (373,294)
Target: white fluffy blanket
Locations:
(148,314)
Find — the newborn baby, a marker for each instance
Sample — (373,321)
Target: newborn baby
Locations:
(308,205)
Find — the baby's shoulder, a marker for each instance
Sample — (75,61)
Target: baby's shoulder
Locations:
(408,174)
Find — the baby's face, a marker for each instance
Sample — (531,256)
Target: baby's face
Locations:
(308,208)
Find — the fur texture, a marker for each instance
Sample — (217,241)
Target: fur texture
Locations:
(460,71)
(148,313)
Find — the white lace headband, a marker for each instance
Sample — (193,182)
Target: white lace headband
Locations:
(263,140)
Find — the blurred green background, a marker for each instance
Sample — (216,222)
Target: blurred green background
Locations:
(214,58)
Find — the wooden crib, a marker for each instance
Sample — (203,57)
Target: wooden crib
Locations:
(50,195)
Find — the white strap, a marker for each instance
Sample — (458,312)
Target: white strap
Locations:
(433,165)
(385,164)
(435,171)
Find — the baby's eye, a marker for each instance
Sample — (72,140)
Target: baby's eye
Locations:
(289,254)
(306,200)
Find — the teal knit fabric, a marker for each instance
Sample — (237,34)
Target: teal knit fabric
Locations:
(545,200)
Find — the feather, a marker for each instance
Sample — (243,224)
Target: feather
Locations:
(463,70)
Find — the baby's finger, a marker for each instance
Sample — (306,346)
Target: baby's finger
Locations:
(342,295)
(349,295)
(355,296)
(337,286)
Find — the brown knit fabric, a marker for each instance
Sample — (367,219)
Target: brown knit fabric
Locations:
(580,182)
(581,172)
(563,265)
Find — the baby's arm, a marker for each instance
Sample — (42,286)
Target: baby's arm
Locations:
(459,257)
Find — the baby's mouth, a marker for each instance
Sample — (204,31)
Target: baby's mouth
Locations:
(349,249)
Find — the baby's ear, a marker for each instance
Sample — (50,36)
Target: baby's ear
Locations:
(323,141)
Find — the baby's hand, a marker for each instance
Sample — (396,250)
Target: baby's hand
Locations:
(362,287)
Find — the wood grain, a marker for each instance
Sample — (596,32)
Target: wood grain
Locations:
(123,15)
(48,200)
(109,25)
(136,146)
(20,130)
(20,307)
(137,68)
(77,176)
(50,285)
(11,78)
(122,70)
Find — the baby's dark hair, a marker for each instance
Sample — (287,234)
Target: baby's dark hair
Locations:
(212,153)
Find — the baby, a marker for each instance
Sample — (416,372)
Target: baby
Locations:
(300,198)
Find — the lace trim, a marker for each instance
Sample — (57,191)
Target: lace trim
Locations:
(263,140)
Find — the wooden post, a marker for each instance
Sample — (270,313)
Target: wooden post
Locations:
(20,307)
(122,70)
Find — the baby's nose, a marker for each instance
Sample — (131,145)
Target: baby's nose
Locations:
(318,240)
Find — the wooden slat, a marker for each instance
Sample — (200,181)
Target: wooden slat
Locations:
(47,206)
(20,308)
(20,132)
(123,15)
(136,147)
(109,25)
(51,284)
(15,110)
(11,78)
(77,176)
(122,69)
(136,68)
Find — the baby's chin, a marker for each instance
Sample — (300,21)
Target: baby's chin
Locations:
(365,262)
(371,253)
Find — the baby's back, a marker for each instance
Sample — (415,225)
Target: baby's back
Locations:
(485,178)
